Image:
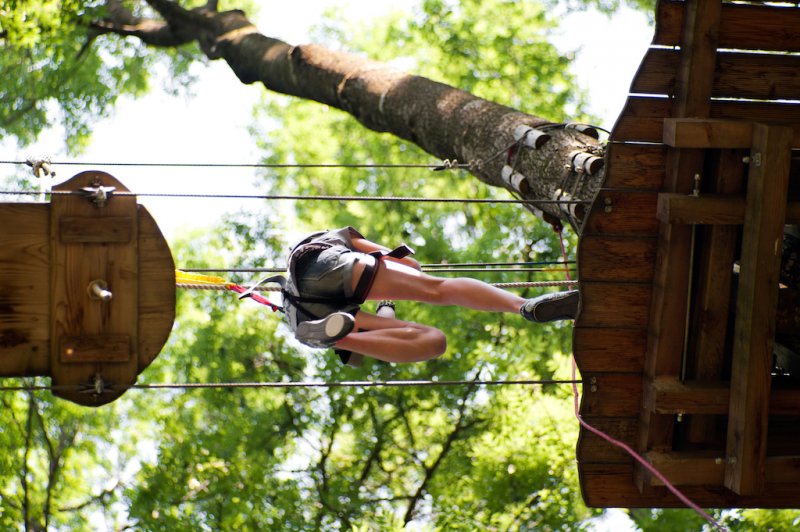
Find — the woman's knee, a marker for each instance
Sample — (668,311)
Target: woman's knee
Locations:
(432,341)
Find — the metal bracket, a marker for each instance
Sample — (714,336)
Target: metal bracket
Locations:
(98,194)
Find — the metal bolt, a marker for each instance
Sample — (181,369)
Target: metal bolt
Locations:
(98,289)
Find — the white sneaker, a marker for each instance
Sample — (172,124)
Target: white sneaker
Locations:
(325,332)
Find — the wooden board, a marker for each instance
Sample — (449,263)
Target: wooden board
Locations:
(632,305)
(156,289)
(24,289)
(616,258)
(600,349)
(756,76)
(750,27)
(755,310)
(623,213)
(614,395)
(642,117)
(594,449)
(637,166)
(75,264)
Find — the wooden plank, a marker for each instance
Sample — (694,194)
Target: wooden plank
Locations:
(707,133)
(657,71)
(94,348)
(708,468)
(711,133)
(754,27)
(24,289)
(669,309)
(757,76)
(87,229)
(615,395)
(711,209)
(74,314)
(760,76)
(716,247)
(631,304)
(610,485)
(669,22)
(775,113)
(609,349)
(639,166)
(619,212)
(642,117)
(594,449)
(616,258)
(755,310)
(156,289)
(696,468)
(667,395)
(751,27)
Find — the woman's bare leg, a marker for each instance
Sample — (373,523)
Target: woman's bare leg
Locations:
(393,340)
(400,282)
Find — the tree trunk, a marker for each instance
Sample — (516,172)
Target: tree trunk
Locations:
(446,122)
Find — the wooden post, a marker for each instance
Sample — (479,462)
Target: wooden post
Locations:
(754,332)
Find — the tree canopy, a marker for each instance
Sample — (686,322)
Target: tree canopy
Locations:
(451,458)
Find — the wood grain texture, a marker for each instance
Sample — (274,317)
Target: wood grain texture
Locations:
(74,265)
(24,289)
(754,331)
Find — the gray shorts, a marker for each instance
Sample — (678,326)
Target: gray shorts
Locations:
(328,275)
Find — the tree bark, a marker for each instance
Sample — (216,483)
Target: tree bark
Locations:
(446,122)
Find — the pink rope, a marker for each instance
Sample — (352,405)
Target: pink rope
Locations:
(683,498)
(255,297)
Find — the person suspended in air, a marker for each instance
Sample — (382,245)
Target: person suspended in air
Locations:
(331,273)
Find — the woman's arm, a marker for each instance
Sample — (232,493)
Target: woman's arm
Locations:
(366,246)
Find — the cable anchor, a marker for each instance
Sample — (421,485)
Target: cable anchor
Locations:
(98,194)
(40,166)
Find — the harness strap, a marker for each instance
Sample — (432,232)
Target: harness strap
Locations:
(371,270)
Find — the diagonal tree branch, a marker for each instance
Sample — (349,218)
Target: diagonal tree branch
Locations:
(460,426)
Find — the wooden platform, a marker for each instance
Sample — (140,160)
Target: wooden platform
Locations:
(51,323)
(678,262)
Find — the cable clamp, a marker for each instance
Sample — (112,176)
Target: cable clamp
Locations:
(40,167)
(447,164)
(98,194)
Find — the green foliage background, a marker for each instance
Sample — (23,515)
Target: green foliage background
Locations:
(446,458)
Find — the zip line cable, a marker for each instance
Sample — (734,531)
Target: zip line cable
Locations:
(424,268)
(295,384)
(417,199)
(225,286)
(434,166)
